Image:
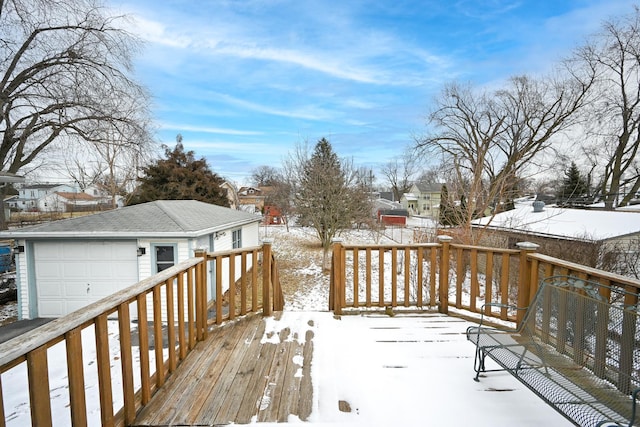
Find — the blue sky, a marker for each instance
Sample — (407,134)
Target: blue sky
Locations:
(244,81)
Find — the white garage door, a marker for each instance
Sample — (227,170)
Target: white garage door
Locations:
(72,274)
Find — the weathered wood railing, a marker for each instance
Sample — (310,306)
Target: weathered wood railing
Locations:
(443,275)
(138,337)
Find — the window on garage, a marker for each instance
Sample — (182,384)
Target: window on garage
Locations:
(164,257)
(237,239)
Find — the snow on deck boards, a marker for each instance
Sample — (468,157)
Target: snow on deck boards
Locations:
(363,370)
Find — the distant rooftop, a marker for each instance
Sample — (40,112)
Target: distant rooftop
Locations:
(566,223)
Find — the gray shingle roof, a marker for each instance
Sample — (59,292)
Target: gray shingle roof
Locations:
(163,217)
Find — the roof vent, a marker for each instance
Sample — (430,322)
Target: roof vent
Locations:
(538,206)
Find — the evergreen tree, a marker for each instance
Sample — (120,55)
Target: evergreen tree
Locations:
(574,186)
(324,199)
(180,176)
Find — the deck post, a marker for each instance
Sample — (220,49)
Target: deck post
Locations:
(443,289)
(524,277)
(267,309)
(336,287)
(201,295)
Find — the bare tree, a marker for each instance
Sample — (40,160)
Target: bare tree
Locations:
(614,54)
(64,77)
(265,176)
(491,137)
(401,171)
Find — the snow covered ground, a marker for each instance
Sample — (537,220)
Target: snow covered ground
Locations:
(400,371)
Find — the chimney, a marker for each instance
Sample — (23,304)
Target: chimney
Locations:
(538,206)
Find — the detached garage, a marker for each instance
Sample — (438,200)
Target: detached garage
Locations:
(62,266)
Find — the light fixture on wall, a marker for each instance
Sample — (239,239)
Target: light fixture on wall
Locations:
(142,251)
(218,234)
(19,249)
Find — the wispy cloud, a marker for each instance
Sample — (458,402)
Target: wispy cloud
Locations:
(303,112)
(206,129)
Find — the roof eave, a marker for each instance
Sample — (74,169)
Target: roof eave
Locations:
(122,235)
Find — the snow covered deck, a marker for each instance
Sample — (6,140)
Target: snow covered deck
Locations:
(318,368)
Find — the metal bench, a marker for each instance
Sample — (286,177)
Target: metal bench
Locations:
(577,347)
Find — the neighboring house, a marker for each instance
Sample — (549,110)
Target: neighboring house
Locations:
(422,200)
(231,193)
(29,195)
(577,235)
(62,266)
(273,216)
(251,199)
(71,202)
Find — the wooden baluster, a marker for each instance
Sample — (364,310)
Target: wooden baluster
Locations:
(504,285)
(460,276)
(419,273)
(219,295)
(475,285)
(394,277)
(2,417)
(126,362)
(443,296)
(39,397)
(254,282)
(243,283)
(104,370)
(356,279)
(232,286)
(143,339)
(182,342)
(171,325)
(433,269)
(368,274)
(157,335)
(488,287)
(381,277)
(266,277)
(191,321)
(407,275)
(75,372)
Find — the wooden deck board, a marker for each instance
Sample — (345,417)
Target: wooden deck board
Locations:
(185,391)
(235,377)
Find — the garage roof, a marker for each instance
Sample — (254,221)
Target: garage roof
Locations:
(170,218)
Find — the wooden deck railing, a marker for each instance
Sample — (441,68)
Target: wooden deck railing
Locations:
(443,275)
(155,324)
